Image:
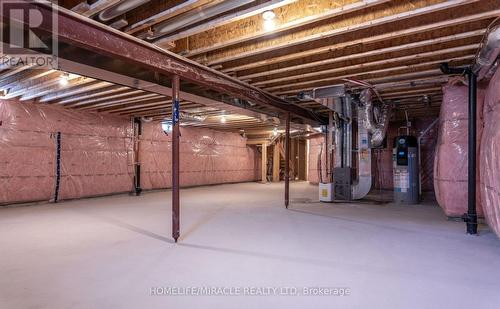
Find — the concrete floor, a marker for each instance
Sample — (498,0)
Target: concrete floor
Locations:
(109,252)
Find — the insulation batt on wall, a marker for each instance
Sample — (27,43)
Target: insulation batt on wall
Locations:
(97,154)
(450,165)
(490,155)
(95,151)
(207,157)
(316,146)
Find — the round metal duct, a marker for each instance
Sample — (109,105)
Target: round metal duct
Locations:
(120,8)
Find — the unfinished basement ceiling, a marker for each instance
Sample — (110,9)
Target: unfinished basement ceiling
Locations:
(397,46)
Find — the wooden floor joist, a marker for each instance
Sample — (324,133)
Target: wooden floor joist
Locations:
(387,72)
(472,48)
(349,29)
(395,45)
(410,48)
(350,8)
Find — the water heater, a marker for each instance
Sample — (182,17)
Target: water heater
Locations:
(406,170)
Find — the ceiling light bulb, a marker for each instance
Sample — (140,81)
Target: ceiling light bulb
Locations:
(275,131)
(269,25)
(268,15)
(63,81)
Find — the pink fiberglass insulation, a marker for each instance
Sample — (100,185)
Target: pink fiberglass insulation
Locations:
(207,157)
(97,154)
(450,164)
(382,162)
(27,154)
(490,155)
(316,147)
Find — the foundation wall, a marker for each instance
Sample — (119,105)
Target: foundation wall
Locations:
(97,154)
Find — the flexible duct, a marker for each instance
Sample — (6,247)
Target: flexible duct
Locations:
(488,53)
(377,130)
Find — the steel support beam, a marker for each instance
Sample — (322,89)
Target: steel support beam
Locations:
(86,41)
(175,158)
(287,159)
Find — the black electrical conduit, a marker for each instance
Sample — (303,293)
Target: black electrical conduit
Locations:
(470,218)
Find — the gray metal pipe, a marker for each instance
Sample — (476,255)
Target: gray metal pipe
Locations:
(120,8)
(187,19)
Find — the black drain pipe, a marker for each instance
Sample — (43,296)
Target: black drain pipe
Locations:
(470,218)
(58,167)
(137,163)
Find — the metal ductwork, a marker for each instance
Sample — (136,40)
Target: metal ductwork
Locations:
(120,8)
(363,183)
(378,129)
(189,18)
(345,114)
(484,65)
